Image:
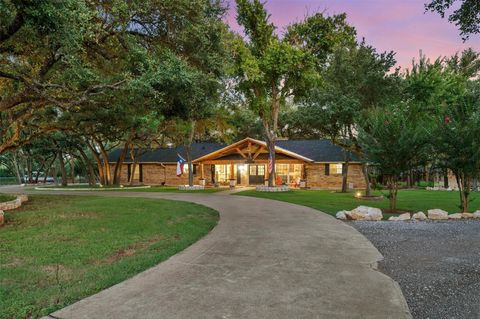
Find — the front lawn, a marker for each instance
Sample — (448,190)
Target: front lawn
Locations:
(331,202)
(57,250)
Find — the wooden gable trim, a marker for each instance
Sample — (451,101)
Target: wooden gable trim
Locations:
(249,141)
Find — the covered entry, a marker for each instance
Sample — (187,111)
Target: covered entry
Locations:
(245,163)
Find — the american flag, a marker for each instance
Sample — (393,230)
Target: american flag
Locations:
(180,164)
(270,164)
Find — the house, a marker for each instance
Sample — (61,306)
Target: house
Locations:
(317,163)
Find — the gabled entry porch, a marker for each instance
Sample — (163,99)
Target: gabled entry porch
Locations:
(245,163)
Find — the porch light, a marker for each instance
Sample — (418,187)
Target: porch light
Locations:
(358,194)
(241,168)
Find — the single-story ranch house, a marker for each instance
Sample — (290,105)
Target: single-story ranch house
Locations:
(306,163)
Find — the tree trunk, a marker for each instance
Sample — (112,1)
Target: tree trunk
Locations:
(63,171)
(117,173)
(393,189)
(368,189)
(104,163)
(48,169)
(17,169)
(188,149)
(100,167)
(29,168)
(463,183)
(271,161)
(37,175)
(72,164)
(445,179)
(88,164)
(345,173)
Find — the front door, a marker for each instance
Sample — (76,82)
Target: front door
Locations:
(256,174)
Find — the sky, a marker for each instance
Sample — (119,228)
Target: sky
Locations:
(398,25)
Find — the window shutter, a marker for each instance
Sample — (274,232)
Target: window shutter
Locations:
(129,172)
(194,169)
(327,169)
(140,167)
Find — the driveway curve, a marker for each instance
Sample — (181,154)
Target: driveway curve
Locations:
(265,259)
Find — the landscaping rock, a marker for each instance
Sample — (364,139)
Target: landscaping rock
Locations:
(364,213)
(467,215)
(374,214)
(455,216)
(476,214)
(419,216)
(23,198)
(341,215)
(2,218)
(405,216)
(437,214)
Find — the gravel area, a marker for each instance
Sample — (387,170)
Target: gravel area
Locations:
(437,264)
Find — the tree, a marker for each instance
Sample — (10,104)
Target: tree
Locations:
(395,140)
(269,70)
(466,17)
(355,79)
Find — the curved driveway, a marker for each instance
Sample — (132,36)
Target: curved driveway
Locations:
(265,259)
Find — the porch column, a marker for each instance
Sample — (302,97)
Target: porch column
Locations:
(232,175)
(303,181)
(202,174)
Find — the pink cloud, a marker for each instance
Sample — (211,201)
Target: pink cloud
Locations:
(401,26)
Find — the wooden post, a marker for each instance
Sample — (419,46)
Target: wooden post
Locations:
(303,182)
(202,175)
(232,171)
(232,175)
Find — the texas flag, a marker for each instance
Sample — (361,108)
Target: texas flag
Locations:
(180,163)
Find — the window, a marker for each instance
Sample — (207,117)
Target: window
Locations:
(261,170)
(337,168)
(281,169)
(253,170)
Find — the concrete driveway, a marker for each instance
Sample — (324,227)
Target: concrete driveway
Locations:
(265,259)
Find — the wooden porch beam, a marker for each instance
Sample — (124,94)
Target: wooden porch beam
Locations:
(239,151)
(258,152)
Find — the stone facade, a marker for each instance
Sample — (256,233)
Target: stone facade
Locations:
(316,177)
(156,174)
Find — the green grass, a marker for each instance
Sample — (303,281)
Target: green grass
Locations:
(57,250)
(153,189)
(331,202)
(6,197)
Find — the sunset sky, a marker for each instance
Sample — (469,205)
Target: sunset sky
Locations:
(398,25)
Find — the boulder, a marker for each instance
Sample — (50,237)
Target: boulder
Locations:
(419,216)
(374,214)
(405,216)
(341,215)
(364,213)
(476,214)
(455,216)
(437,214)
(23,198)
(467,215)
(2,218)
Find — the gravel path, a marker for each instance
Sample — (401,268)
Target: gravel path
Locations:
(437,264)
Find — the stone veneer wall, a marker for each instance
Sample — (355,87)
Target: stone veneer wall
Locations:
(316,177)
(155,174)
